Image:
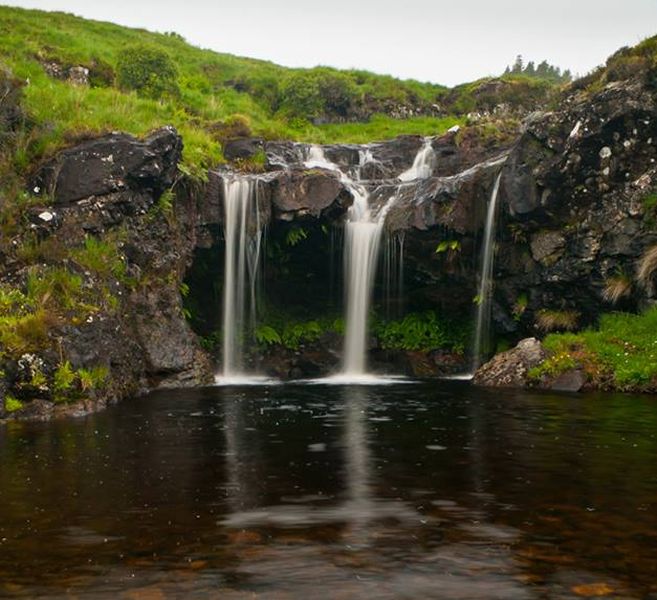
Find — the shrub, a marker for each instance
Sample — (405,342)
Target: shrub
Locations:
(148,70)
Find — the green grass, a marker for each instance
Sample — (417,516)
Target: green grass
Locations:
(212,90)
(621,353)
(381,127)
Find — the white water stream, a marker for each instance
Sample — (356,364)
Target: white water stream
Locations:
(422,165)
(485,293)
(242,232)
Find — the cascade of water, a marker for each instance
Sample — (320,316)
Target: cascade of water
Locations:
(484,296)
(422,165)
(242,233)
(363,235)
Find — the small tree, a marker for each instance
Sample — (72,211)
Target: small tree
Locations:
(148,70)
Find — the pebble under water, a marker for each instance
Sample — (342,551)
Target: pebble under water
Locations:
(430,490)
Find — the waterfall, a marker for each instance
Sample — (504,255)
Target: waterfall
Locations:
(242,233)
(362,239)
(484,297)
(363,233)
(361,258)
(422,165)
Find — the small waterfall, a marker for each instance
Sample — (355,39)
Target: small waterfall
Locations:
(484,297)
(243,233)
(363,235)
(422,165)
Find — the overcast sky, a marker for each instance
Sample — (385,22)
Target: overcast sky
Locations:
(442,41)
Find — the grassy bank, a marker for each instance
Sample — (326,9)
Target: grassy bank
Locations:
(621,353)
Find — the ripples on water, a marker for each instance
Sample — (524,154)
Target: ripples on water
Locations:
(432,490)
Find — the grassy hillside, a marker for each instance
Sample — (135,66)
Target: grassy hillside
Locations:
(212,90)
(211,96)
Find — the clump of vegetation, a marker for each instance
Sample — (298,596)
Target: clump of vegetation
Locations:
(556,320)
(291,333)
(617,287)
(520,306)
(423,331)
(554,365)
(12,404)
(647,266)
(639,61)
(148,70)
(63,381)
(620,354)
(650,209)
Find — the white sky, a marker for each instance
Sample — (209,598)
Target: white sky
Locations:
(446,42)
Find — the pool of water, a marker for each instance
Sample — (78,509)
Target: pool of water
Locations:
(430,490)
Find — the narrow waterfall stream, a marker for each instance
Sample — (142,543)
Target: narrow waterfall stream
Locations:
(242,232)
(361,253)
(485,292)
(422,165)
(364,230)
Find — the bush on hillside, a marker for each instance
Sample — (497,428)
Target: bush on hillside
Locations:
(147,70)
(320,92)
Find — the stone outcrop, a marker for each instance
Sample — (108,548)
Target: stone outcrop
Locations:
(114,163)
(510,368)
(141,337)
(573,192)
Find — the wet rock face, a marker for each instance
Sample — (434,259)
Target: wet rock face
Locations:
(298,194)
(142,337)
(111,164)
(573,212)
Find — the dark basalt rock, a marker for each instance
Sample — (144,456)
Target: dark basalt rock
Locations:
(242,148)
(310,193)
(114,163)
(457,203)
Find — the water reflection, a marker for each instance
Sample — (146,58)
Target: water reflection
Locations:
(429,491)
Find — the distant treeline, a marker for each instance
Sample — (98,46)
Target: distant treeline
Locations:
(543,70)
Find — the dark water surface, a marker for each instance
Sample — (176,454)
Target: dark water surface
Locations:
(432,490)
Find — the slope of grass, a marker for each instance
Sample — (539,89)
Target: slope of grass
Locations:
(212,89)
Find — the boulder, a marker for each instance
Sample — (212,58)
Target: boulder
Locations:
(112,163)
(570,381)
(242,148)
(307,193)
(510,368)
